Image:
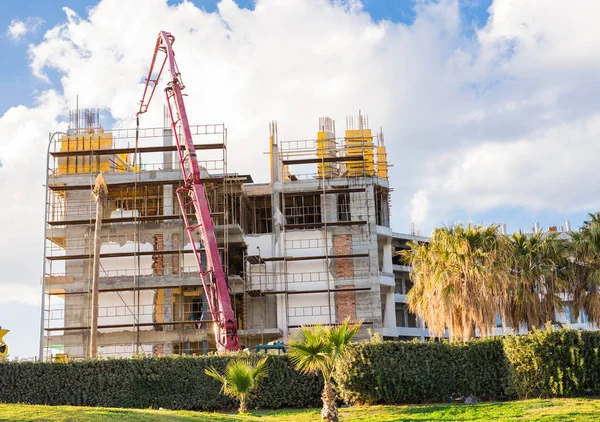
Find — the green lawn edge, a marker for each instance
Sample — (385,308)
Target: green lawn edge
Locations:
(572,409)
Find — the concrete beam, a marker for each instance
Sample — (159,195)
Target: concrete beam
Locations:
(129,337)
(83,179)
(148,282)
(234,231)
(260,331)
(126,282)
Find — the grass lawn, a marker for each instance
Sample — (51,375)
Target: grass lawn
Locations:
(580,409)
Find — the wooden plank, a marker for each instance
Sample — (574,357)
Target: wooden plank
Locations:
(126,289)
(298,292)
(141,324)
(139,184)
(120,254)
(329,224)
(130,150)
(323,160)
(307,258)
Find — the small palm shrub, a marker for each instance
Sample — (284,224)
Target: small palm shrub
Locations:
(240,379)
(317,349)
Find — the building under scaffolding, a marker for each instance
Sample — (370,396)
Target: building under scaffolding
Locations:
(312,246)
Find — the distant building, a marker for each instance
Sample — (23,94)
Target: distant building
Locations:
(409,325)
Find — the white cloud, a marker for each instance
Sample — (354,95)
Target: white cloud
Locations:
(529,138)
(19,293)
(419,206)
(22,176)
(290,60)
(18,28)
(508,116)
(549,168)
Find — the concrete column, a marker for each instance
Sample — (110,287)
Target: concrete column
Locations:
(76,307)
(329,211)
(387,256)
(281,306)
(389,318)
(374,258)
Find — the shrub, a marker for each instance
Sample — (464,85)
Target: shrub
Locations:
(240,379)
(168,382)
(551,363)
(591,357)
(542,363)
(403,372)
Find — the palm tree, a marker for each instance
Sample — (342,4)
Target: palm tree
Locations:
(539,277)
(594,220)
(240,379)
(585,286)
(316,349)
(460,279)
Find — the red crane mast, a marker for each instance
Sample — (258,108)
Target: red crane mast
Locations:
(213,278)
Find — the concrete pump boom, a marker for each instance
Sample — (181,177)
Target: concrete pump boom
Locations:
(192,192)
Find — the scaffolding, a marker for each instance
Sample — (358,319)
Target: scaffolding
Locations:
(149,281)
(302,249)
(322,265)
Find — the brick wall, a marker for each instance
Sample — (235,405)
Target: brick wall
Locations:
(345,302)
(342,245)
(175,258)
(157,259)
(345,305)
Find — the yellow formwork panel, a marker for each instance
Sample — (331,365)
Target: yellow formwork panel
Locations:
(62,357)
(325,149)
(85,163)
(360,143)
(382,165)
(359,134)
(197,291)
(160,300)
(60,241)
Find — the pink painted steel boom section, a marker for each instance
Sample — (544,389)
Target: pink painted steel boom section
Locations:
(213,277)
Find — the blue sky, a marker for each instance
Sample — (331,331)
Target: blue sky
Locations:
(20,87)
(519,151)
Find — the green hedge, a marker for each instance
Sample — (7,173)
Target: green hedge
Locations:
(171,383)
(403,372)
(543,363)
(554,363)
(591,356)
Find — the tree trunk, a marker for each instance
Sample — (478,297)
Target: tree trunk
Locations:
(99,193)
(243,408)
(329,411)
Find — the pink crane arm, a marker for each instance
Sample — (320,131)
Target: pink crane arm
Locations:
(213,277)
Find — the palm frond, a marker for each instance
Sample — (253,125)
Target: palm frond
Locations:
(316,349)
(308,349)
(258,371)
(213,373)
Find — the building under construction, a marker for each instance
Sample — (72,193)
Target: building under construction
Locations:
(314,245)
